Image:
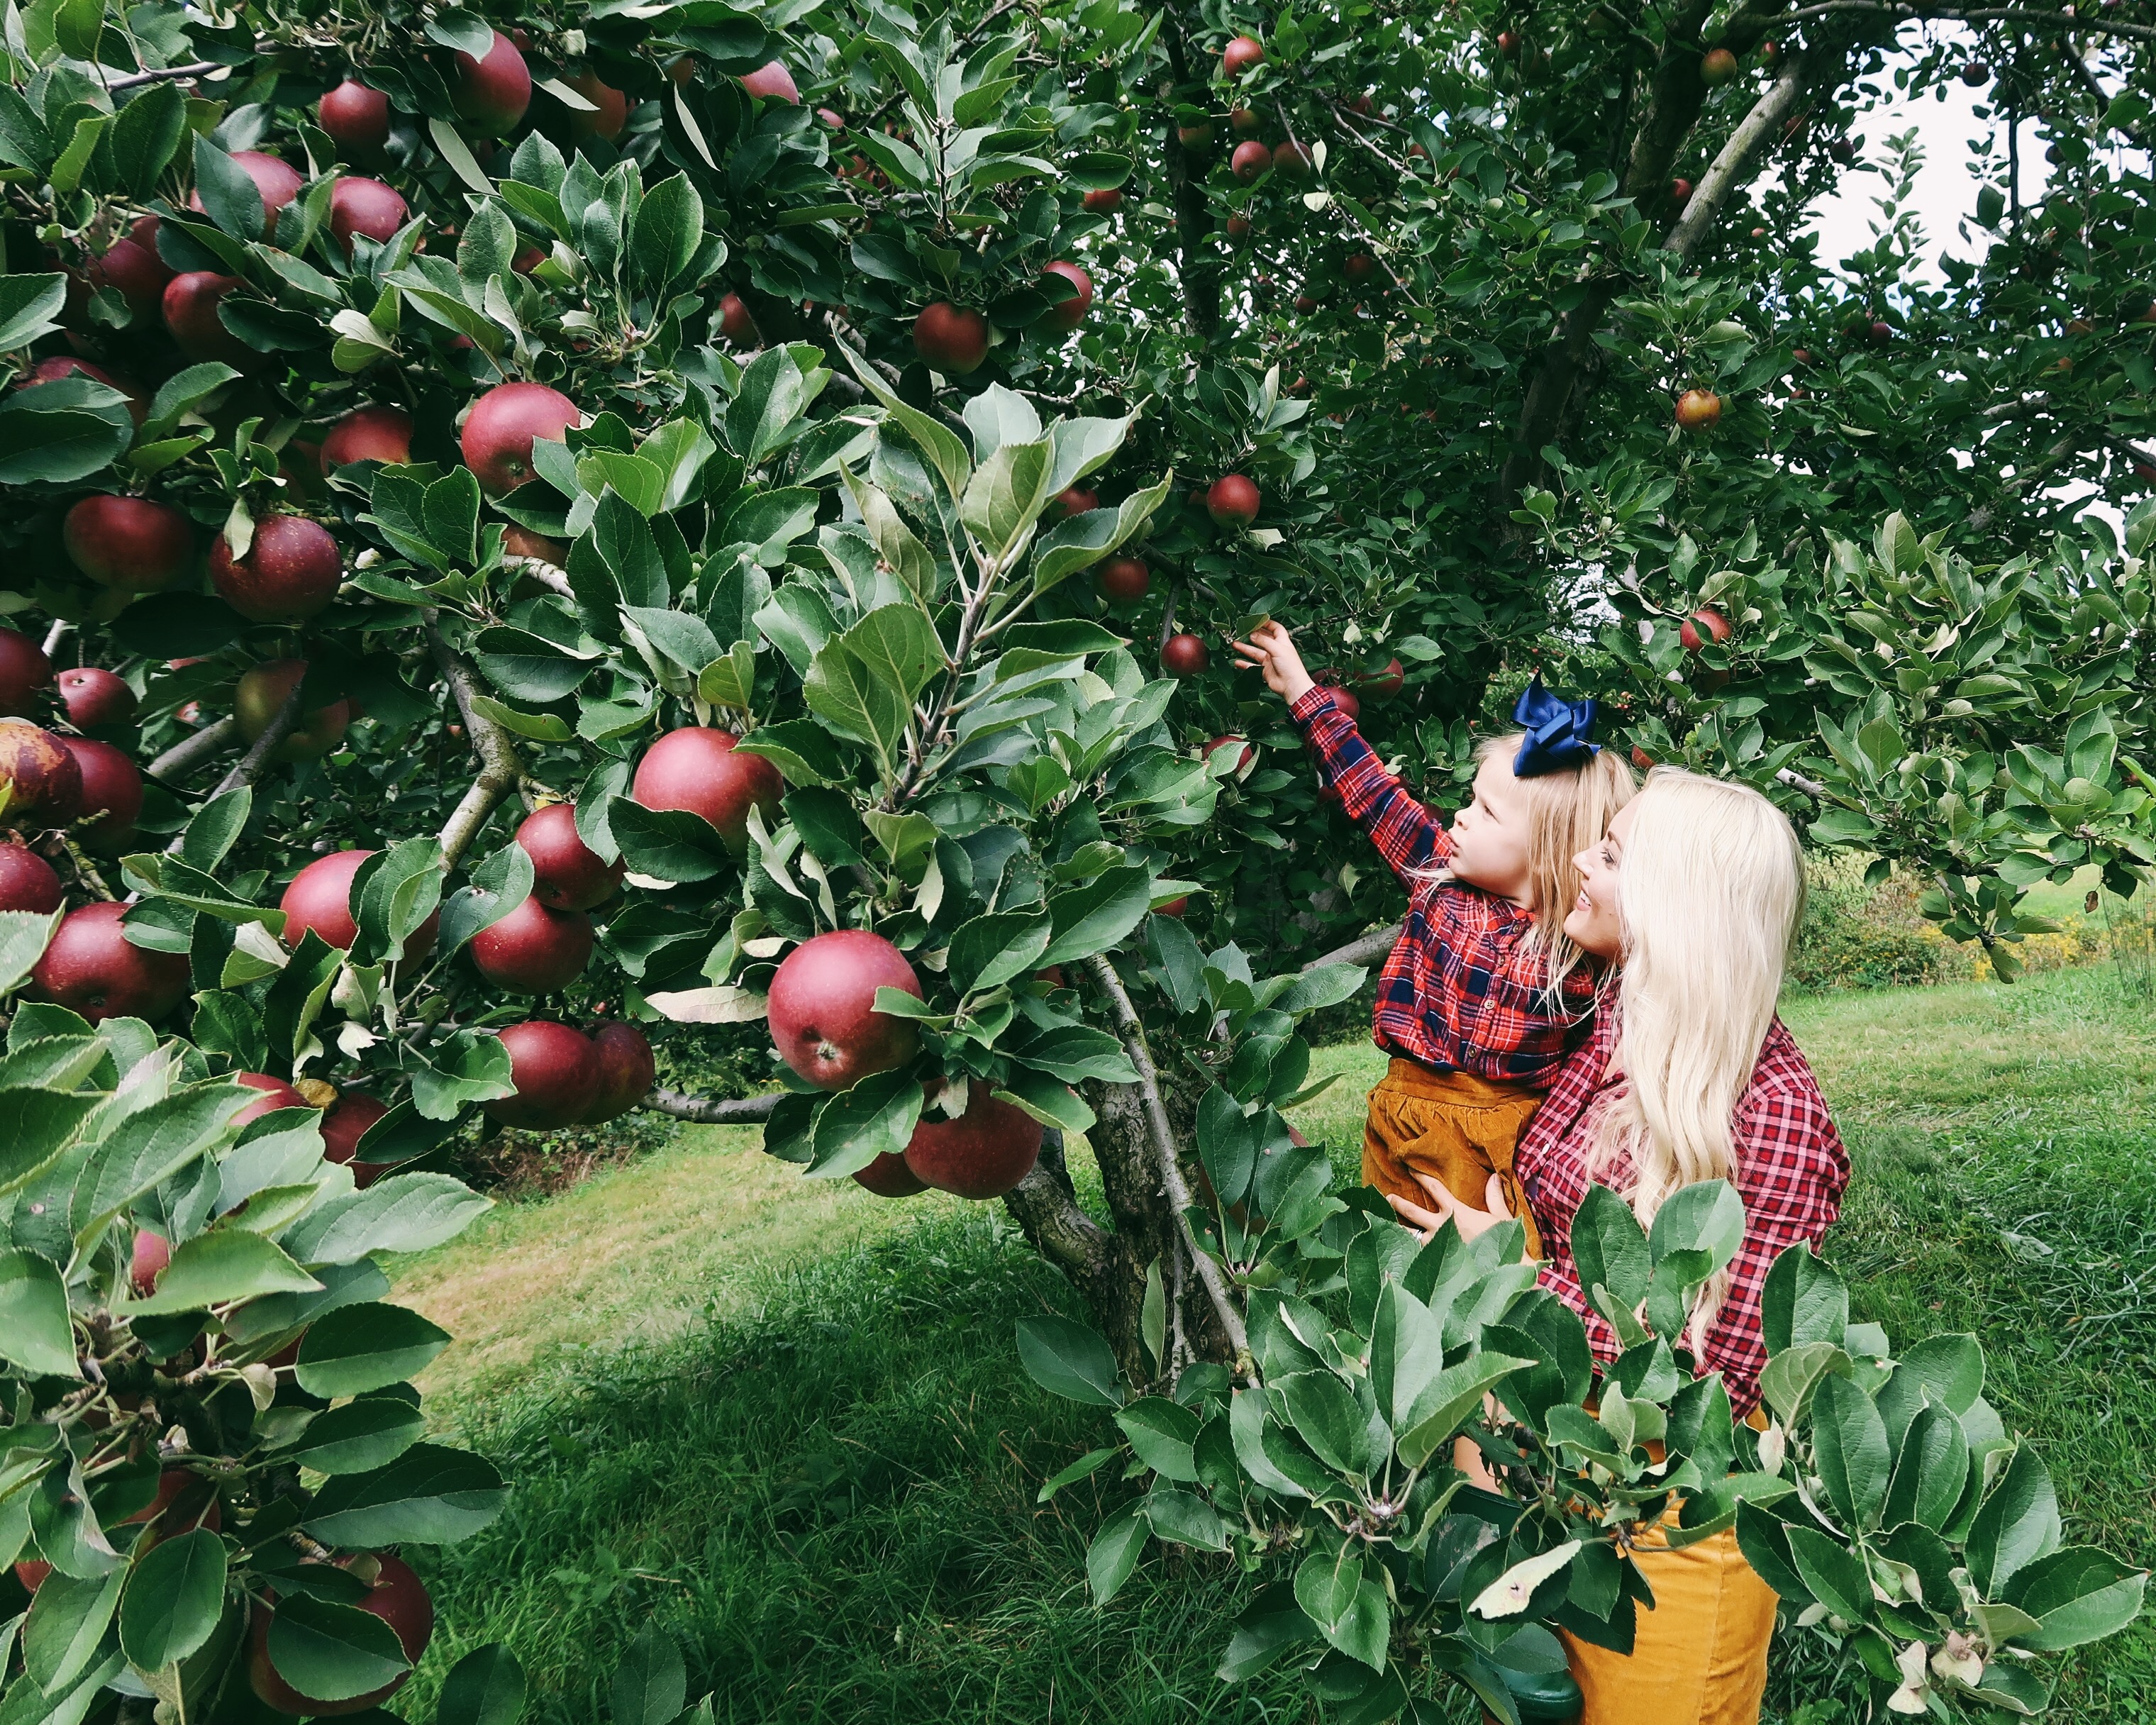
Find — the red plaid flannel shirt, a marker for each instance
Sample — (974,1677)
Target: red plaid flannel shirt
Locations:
(1791,1171)
(1464,989)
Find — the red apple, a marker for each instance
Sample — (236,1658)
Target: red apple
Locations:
(1183,655)
(1106,202)
(130,543)
(96,696)
(1698,409)
(1508,42)
(397,1596)
(1384,685)
(278,182)
(369,433)
(320,899)
(1641,759)
(111,789)
(1703,625)
(609,113)
(773,83)
(983,1153)
(133,266)
(832,118)
(260,696)
(1294,163)
(534,950)
(566,873)
(1251,161)
(1233,501)
(522,542)
(1075,500)
(822,1008)
(1245,750)
(27,882)
(1717,66)
(43,775)
(889,1177)
(1241,53)
(1122,581)
(291,570)
(627,1071)
(276,1094)
(696,768)
(1244,123)
(493,92)
(93,970)
(24,670)
(365,207)
(1069,312)
(555,1070)
(1239,229)
(1879,332)
(1975,73)
(736,324)
(505,422)
(1680,192)
(1358,266)
(1196,138)
(1174,907)
(356,117)
(152,1253)
(950,339)
(343,1126)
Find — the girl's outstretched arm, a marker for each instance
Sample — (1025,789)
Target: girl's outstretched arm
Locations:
(1407,834)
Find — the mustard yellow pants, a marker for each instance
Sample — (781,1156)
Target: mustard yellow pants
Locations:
(1699,1657)
(1457,1128)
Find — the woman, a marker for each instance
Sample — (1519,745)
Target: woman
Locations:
(1696,892)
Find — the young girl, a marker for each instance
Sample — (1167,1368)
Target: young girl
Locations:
(1484,996)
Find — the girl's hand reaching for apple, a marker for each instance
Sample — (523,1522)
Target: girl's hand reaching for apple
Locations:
(1271,650)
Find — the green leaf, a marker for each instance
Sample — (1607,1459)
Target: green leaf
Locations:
(486,1687)
(1186,1519)
(1849,1451)
(1096,917)
(899,647)
(407,1213)
(1070,1360)
(2019,1522)
(229,196)
(1115,1552)
(331,1652)
(1803,1301)
(875,1117)
(1931,1470)
(1076,1052)
(41,1123)
(1006,493)
(66,1627)
(1706,1217)
(358,1348)
(214,1269)
(1327,1416)
(2077,1595)
(35,1333)
(29,308)
(1444,1403)
(1161,1434)
(1610,1248)
(62,431)
(1084,1467)
(150,1145)
(767,408)
(1947,1370)
(668,843)
(1835,1574)
(146,136)
(855,701)
(1047,1100)
(428,1496)
(174,1598)
(669,227)
(991,950)
(364,1434)
(800,748)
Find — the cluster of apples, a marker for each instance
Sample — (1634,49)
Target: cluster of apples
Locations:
(58,779)
(825,1026)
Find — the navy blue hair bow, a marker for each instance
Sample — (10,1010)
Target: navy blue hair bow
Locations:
(1560,733)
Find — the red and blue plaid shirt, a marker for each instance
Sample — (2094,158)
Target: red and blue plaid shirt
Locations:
(1465,988)
(1791,1171)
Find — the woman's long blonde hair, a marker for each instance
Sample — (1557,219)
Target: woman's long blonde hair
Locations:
(1709,890)
(1568,812)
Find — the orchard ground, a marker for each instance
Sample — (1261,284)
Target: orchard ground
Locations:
(780,1417)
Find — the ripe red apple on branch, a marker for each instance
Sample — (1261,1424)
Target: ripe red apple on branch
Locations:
(320,899)
(1233,501)
(291,570)
(1122,581)
(697,769)
(567,874)
(130,543)
(951,340)
(534,950)
(1070,311)
(94,696)
(27,882)
(822,1008)
(93,970)
(493,91)
(1183,655)
(503,425)
(374,433)
(25,671)
(365,207)
(1241,53)
(356,117)
(1698,409)
(111,795)
(41,775)
(983,1153)
(1251,161)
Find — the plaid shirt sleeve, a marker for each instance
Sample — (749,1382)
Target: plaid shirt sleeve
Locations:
(1792,1171)
(1407,834)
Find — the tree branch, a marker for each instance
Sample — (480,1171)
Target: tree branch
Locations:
(1363,948)
(2094,86)
(199,69)
(499,766)
(2099,25)
(733,1111)
(545,573)
(1736,156)
(191,751)
(1197,269)
(251,766)
(1163,1140)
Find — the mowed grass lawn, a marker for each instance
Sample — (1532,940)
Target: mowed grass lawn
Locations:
(784,1420)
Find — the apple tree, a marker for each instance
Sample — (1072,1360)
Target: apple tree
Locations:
(535,533)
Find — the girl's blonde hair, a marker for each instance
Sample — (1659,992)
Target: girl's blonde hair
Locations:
(1710,892)
(1567,813)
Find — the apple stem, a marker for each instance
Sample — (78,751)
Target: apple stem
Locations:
(1132,1033)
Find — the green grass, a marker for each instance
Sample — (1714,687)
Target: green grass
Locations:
(813,1458)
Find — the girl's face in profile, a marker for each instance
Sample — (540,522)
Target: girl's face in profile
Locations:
(1489,835)
(1593,924)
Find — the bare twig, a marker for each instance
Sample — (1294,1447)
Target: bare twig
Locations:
(191,751)
(251,766)
(1731,165)
(55,635)
(198,69)
(1363,949)
(1163,1142)
(1796,781)
(731,1111)
(545,573)
(501,768)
